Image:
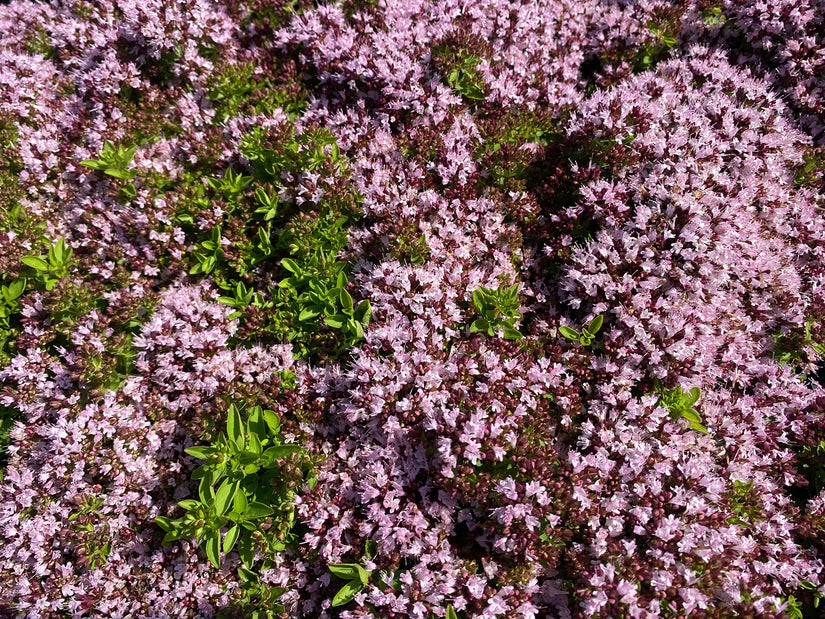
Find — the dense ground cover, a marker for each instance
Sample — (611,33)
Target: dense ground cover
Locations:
(412,309)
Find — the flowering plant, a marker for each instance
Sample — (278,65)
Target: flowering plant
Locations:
(412,309)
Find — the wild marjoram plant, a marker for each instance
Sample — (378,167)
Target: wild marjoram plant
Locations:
(115,161)
(497,310)
(681,404)
(589,331)
(49,269)
(240,485)
(635,158)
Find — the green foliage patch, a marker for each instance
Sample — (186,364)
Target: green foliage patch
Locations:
(681,404)
(277,263)
(497,311)
(588,332)
(244,484)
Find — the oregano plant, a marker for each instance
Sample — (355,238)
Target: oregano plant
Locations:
(49,269)
(497,311)
(357,578)
(588,332)
(681,404)
(235,491)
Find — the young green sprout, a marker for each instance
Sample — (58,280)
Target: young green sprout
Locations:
(589,331)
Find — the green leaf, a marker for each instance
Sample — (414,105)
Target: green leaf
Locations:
(230,538)
(346,301)
(291,266)
(308,313)
(164,523)
(511,334)
(56,252)
(240,503)
(205,490)
(254,444)
(363,312)
(363,575)
(595,325)
(202,470)
(336,321)
(273,422)
(234,425)
(36,263)
(201,452)
(359,330)
(224,496)
(246,457)
(478,301)
(129,191)
(255,424)
(570,334)
(246,551)
(189,504)
(93,163)
(278,451)
(257,510)
(247,576)
(120,173)
(347,571)
(481,325)
(699,427)
(451,613)
(691,415)
(213,549)
(249,469)
(347,593)
(692,396)
(16,288)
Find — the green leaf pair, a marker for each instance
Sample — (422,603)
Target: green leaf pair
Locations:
(588,333)
(311,151)
(269,204)
(466,80)
(10,300)
(317,296)
(207,254)
(230,186)
(243,298)
(357,578)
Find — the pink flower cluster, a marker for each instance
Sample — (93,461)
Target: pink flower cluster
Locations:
(648,162)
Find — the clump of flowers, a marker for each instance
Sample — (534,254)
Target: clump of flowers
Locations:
(411,309)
